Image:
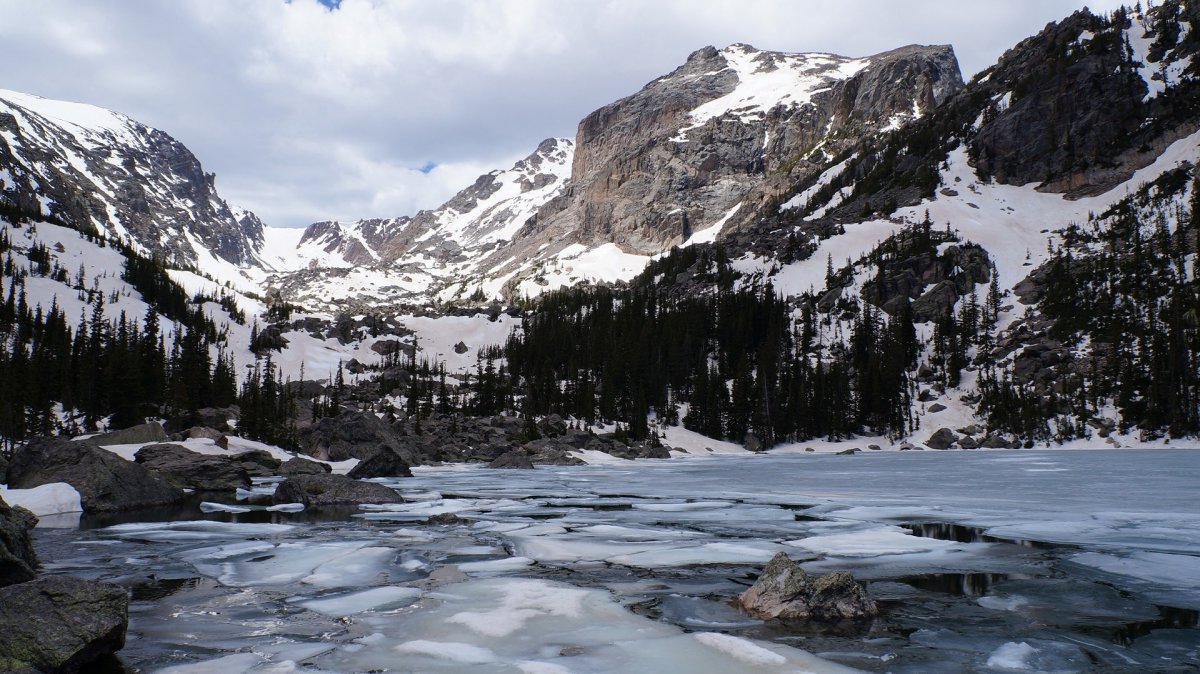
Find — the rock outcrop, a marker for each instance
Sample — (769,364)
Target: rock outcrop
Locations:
(105,481)
(61,625)
(323,490)
(784,591)
(354,435)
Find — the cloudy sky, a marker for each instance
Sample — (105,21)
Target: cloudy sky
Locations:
(376,108)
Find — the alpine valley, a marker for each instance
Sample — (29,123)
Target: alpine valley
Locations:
(759,255)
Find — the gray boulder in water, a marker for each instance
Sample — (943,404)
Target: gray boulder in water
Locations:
(322,490)
(785,592)
(61,625)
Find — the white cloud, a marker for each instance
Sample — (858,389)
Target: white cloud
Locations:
(306,113)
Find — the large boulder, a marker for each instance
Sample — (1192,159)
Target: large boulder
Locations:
(134,435)
(384,463)
(61,625)
(187,469)
(18,561)
(942,438)
(258,463)
(354,435)
(105,481)
(298,466)
(321,490)
(784,591)
(515,459)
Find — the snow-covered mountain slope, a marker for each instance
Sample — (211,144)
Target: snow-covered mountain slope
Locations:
(101,171)
(410,260)
(982,173)
(672,164)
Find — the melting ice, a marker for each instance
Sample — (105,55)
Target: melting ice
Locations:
(1087,564)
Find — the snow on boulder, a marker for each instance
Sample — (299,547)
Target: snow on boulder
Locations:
(55,498)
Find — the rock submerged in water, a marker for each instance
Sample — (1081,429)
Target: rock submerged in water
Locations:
(322,490)
(784,591)
(105,481)
(60,625)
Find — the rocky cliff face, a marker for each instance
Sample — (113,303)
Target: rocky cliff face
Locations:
(1039,128)
(101,171)
(701,148)
(692,154)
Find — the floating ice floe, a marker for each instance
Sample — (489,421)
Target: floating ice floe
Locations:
(542,627)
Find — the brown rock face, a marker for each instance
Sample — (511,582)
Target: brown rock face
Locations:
(785,592)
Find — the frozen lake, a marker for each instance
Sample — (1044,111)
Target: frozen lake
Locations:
(1003,561)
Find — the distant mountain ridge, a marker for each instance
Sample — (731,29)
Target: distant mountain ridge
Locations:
(101,171)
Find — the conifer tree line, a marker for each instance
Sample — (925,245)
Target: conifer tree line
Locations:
(69,376)
(725,363)
(1126,285)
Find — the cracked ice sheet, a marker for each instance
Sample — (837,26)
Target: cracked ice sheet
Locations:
(341,605)
(325,565)
(1150,572)
(537,626)
(873,543)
